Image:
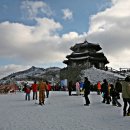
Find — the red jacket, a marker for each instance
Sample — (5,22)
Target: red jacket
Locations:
(27,90)
(34,87)
(48,87)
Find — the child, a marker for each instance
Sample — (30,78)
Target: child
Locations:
(27,90)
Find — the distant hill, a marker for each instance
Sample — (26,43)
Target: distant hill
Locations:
(36,73)
(52,74)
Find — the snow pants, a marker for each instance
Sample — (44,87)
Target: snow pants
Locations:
(87,99)
(34,95)
(41,97)
(106,98)
(27,96)
(115,102)
(47,93)
(69,92)
(77,91)
(126,102)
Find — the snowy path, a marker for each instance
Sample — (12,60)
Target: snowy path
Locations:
(60,112)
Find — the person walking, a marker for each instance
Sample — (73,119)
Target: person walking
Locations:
(105,91)
(114,95)
(126,96)
(118,87)
(86,88)
(34,89)
(42,87)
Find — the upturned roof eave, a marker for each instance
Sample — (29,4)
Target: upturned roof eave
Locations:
(87,45)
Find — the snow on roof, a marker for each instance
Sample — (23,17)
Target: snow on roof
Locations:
(80,52)
(80,58)
(95,75)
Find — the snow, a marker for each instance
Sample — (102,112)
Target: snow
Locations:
(80,58)
(60,112)
(78,53)
(95,75)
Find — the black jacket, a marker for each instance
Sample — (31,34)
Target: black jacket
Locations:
(86,87)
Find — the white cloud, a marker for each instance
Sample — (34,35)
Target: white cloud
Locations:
(67,14)
(34,8)
(110,28)
(12,68)
(35,45)
(22,41)
(42,45)
(120,61)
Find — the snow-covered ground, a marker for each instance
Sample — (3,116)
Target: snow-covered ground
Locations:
(60,112)
(95,75)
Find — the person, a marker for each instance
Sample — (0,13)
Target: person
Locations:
(81,88)
(34,89)
(48,89)
(126,96)
(77,88)
(70,87)
(114,95)
(27,91)
(118,87)
(86,88)
(105,92)
(42,88)
(98,88)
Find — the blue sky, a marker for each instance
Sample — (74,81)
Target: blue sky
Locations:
(81,9)
(41,32)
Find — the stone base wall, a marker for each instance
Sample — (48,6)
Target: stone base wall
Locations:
(71,73)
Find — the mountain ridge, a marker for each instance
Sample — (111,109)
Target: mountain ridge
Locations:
(35,73)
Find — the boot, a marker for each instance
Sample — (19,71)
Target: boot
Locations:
(40,103)
(124,113)
(128,114)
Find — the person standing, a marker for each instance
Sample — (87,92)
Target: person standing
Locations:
(48,89)
(86,88)
(70,87)
(27,91)
(34,89)
(126,96)
(42,88)
(98,88)
(77,88)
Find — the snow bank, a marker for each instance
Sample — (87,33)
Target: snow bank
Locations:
(95,75)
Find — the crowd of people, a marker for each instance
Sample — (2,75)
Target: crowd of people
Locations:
(42,87)
(109,92)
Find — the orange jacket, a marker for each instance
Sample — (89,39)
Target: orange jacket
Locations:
(99,85)
(42,86)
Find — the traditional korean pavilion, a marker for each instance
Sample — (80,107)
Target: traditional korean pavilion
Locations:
(86,54)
